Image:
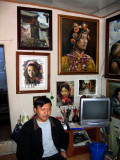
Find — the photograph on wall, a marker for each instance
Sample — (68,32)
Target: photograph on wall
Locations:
(113,92)
(87,87)
(34,28)
(32,72)
(78,45)
(112,62)
(65,93)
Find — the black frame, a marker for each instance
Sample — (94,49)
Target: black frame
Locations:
(36,43)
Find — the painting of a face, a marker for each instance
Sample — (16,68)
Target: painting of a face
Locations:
(31,71)
(64,92)
(82,42)
(118,96)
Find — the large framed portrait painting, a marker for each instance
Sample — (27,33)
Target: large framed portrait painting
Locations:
(32,72)
(112,61)
(78,45)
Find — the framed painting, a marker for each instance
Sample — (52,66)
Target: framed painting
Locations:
(87,87)
(113,92)
(112,57)
(65,93)
(78,45)
(32,72)
(34,29)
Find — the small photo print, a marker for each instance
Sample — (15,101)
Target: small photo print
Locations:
(65,93)
(86,87)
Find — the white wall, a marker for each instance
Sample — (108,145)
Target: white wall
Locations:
(8,37)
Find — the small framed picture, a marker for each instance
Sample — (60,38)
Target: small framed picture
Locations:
(112,57)
(113,92)
(32,72)
(65,93)
(87,87)
(34,29)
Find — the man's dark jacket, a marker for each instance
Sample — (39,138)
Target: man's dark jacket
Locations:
(29,146)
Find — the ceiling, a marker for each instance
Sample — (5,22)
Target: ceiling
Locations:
(99,8)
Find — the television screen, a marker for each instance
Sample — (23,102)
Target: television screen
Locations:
(95,112)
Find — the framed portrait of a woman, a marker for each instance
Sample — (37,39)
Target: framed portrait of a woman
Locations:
(32,72)
(113,92)
(65,93)
(78,45)
(112,57)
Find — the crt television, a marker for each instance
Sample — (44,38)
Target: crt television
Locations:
(95,112)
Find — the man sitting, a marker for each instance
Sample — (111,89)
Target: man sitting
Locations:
(42,137)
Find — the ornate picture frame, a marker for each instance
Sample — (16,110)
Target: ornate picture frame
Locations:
(34,28)
(112,60)
(89,62)
(32,72)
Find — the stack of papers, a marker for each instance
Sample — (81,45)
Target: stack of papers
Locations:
(74,126)
(80,138)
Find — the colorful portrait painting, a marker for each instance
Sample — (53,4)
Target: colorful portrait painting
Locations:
(87,87)
(65,93)
(78,45)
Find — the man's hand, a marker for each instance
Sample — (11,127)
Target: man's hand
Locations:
(63,154)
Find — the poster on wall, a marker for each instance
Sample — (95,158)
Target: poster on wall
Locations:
(65,93)
(32,72)
(112,58)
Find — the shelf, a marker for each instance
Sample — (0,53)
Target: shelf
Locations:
(94,134)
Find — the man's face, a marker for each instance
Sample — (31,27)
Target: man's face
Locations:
(43,112)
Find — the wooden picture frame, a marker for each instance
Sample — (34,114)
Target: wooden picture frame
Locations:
(32,72)
(112,89)
(92,50)
(34,28)
(112,42)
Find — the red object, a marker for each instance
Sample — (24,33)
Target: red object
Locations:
(60,119)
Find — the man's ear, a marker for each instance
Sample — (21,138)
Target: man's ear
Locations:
(34,109)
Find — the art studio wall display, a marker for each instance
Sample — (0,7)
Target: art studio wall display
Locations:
(34,28)
(65,93)
(32,72)
(78,45)
(112,58)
